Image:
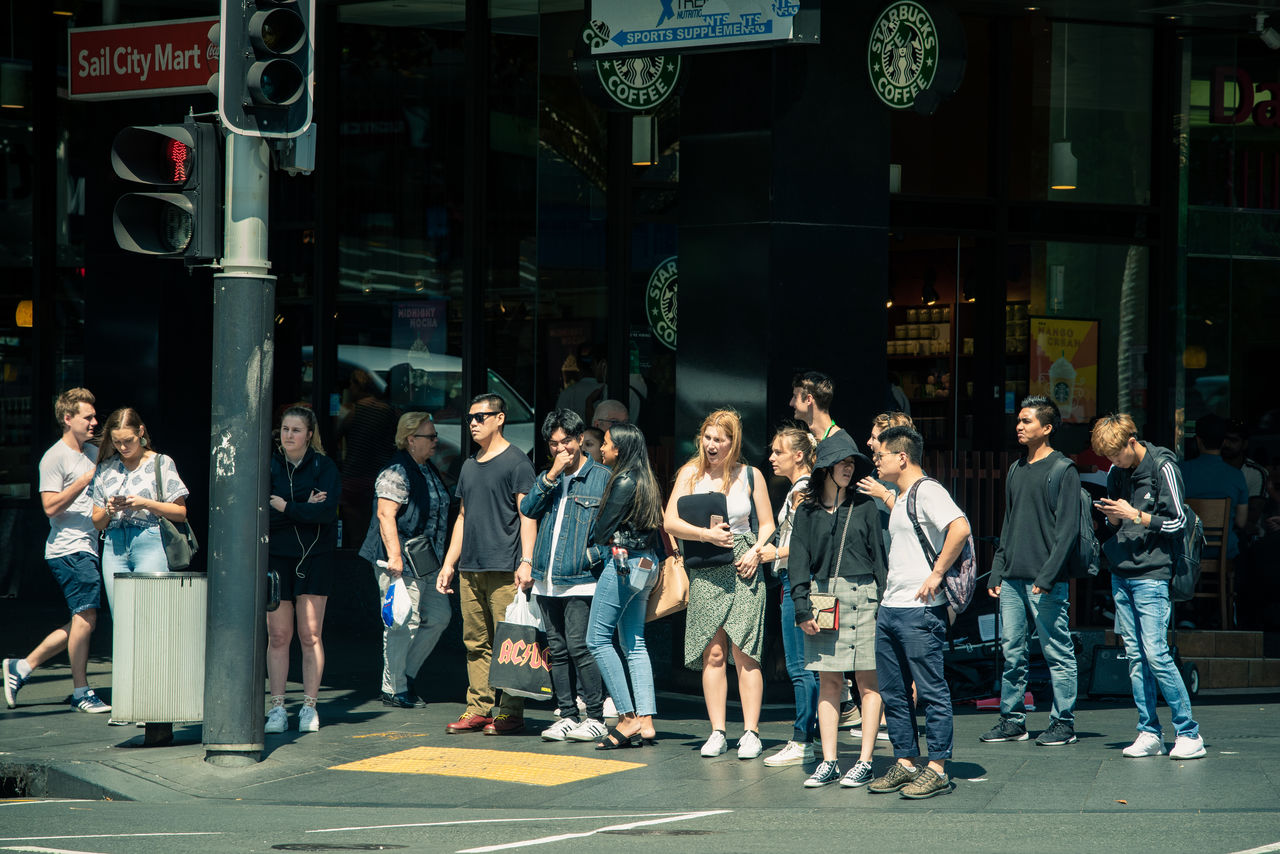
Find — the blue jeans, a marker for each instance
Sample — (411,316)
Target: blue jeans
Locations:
(1049,610)
(909,645)
(1142,619)
(805,682)
(131,549)
(617,607)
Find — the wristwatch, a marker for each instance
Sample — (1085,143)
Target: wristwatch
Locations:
(527,560)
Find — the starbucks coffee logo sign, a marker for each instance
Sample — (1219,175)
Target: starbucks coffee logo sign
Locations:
(660,302)
(633,83)
(903,53)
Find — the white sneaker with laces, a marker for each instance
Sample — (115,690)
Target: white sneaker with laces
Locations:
(749,746)
(589,730)
(1146,744)
(1187,747)
(715,745)
(792,753)
(90,702)
(558,730)
(308,719)
(277,720)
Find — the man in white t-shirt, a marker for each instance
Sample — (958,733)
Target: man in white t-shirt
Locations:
(71,551)
(911,625)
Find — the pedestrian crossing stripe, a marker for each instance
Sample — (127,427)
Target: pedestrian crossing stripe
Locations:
(507,766)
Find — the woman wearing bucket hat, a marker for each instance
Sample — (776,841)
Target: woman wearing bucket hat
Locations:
(836,548)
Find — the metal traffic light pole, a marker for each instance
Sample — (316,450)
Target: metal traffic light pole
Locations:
(243,358)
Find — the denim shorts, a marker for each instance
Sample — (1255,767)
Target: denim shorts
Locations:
(80,580)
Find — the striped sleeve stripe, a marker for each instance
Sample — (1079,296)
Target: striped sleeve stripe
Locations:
(1177,522)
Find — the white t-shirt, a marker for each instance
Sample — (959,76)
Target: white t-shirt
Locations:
(908,565)
(71,530)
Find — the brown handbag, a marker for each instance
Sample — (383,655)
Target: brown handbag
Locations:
(671,592)
(826,607)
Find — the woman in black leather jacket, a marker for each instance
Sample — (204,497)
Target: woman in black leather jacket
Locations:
(630,520)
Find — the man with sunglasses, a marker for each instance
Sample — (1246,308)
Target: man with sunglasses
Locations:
(492,545)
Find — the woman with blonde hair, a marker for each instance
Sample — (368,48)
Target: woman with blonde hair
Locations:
(726,601)
(791,455)
(132,488)
(305,493)
(410,502)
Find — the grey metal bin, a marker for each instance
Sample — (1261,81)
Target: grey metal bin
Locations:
(158,647)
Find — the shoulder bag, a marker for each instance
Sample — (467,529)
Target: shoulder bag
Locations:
(826,607)
(179,540)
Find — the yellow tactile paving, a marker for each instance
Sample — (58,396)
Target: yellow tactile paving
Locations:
(538,769)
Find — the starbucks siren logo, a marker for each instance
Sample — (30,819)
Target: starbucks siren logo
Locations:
(637,82)
(660,301)
(903,53)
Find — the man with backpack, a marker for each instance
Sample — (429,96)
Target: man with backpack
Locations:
(927,533)
(1144,505)
(1030,570)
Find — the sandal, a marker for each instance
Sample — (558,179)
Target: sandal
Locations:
(614,740)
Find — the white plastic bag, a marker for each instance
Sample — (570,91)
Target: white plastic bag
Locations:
(396,604)
(523,611)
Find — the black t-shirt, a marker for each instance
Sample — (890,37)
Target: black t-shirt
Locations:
(491,532)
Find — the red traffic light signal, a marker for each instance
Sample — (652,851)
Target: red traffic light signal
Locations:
(181,216)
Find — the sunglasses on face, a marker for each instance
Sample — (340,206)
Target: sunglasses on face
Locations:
(479,417)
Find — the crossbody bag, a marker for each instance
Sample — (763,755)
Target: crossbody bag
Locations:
(826,607)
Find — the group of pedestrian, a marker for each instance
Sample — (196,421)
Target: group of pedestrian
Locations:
(860,544)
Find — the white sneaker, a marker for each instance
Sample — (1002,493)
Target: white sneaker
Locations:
(1187,747)
(792,753)
(589,730)
(558,730)
(715,745)
(308,719)
(749,746)
(277,720)
(610,710)
(1146,744)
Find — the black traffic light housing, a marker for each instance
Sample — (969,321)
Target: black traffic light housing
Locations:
(181,215)
(265,56)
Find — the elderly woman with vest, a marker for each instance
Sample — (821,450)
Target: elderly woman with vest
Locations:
(410,500)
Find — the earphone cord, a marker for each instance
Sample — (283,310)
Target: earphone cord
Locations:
(289,469)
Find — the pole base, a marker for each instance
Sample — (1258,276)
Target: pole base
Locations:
(232,758)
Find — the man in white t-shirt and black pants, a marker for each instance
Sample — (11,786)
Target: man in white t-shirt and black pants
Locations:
(911,625)
(71,550)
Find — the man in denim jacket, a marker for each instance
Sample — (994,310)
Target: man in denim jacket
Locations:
(564,502)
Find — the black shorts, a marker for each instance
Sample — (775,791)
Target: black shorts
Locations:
(312,577)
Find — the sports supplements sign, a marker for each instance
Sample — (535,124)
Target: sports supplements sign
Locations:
(662,26)
(916,55)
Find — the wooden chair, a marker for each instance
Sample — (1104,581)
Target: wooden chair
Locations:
(1215,572)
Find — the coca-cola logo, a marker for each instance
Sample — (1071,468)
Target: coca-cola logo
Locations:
(523,654)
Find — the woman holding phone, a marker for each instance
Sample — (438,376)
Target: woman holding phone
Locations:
(305,493)
(627,529)
(132,488)
(727,601)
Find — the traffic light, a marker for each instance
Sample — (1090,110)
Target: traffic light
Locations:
(265,55)
(181,217)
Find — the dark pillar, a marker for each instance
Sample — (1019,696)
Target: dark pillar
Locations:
(475,264)
(783,235)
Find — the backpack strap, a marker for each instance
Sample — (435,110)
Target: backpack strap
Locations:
(1055,479)
(929,553)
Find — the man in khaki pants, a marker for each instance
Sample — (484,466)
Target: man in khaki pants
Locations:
(491,540)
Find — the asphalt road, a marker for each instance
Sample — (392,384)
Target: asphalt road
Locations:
(835,821)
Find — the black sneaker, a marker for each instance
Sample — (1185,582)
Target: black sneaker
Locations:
(1005,730)
(826,773)
(1057,734)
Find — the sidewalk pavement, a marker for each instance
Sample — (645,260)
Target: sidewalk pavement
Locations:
(367,753)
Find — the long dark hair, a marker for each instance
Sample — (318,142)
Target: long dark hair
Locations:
(633,460)
(818,484)
(124,418)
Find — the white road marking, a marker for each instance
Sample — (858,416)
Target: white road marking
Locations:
(109,836)
(27,801)
(562,837)
(38,850)
(487,821)
(1262,849)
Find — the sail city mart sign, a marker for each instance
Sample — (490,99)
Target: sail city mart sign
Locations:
(141,60)
(663,26)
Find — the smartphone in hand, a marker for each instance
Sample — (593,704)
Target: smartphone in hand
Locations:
(716,521)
